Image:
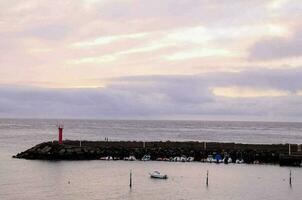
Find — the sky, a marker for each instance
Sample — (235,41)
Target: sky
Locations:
(159,59)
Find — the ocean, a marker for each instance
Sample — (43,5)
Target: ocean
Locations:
(36,180)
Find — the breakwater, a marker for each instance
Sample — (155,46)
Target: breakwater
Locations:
(283,154)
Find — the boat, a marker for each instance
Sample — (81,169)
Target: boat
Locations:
(190,159)
(109,158)
(210,159)
(131,158)
(256,162)
(183,159)
(240,161)
(158,175)
(227,160)
(176,159)
(146,158)
(166,159)
(218,158)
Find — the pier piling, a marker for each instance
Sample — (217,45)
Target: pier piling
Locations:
(207,181)
(130,184)
(290,178)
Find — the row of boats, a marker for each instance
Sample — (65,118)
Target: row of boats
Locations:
(217,158)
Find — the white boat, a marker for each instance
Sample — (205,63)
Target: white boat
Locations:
(183,159)
(156,174)
(131,158)
(176,159)
(146,158)
(210,159)
(190,159)
(109,158)
(227,160)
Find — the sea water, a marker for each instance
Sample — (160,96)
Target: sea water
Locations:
(56,180)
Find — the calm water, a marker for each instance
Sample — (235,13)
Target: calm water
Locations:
(35,180)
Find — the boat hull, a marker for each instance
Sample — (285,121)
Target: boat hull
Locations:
(159,176)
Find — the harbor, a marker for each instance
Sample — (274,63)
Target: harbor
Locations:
(88,165)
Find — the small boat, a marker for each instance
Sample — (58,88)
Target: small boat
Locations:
(156,174)
(166,159)
(131,158)
(183,159)
(218,158)
(227,160)
(190,159)
(176,159)
(146,158)
(109,158)
(210,159)
(240,161)
(256,162)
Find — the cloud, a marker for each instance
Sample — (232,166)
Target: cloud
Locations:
(172,97)
(83,43)
(277,47)
(108,39)
(48,32)
(72,41)
(242,92)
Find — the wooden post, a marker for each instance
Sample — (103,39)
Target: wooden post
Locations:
(130,184)
(204,145)
(207,181)
(80,143)
(289,149)
(290,178)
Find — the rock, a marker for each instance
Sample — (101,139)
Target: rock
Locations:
(62,151)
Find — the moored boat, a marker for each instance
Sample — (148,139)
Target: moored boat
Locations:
(146,158)
(131,158)
(158,175)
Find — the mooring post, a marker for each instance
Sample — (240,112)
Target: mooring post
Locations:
(207,181)
(290,178)
(130,184)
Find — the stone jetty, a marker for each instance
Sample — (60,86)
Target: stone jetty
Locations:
(283,154)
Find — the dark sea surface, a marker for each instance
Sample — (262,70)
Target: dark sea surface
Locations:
(78,180)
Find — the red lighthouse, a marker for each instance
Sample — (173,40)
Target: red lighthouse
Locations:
(60,128)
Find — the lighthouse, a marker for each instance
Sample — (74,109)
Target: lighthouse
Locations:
(60,128)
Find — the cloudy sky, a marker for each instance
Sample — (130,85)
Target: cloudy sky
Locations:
(159,59)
